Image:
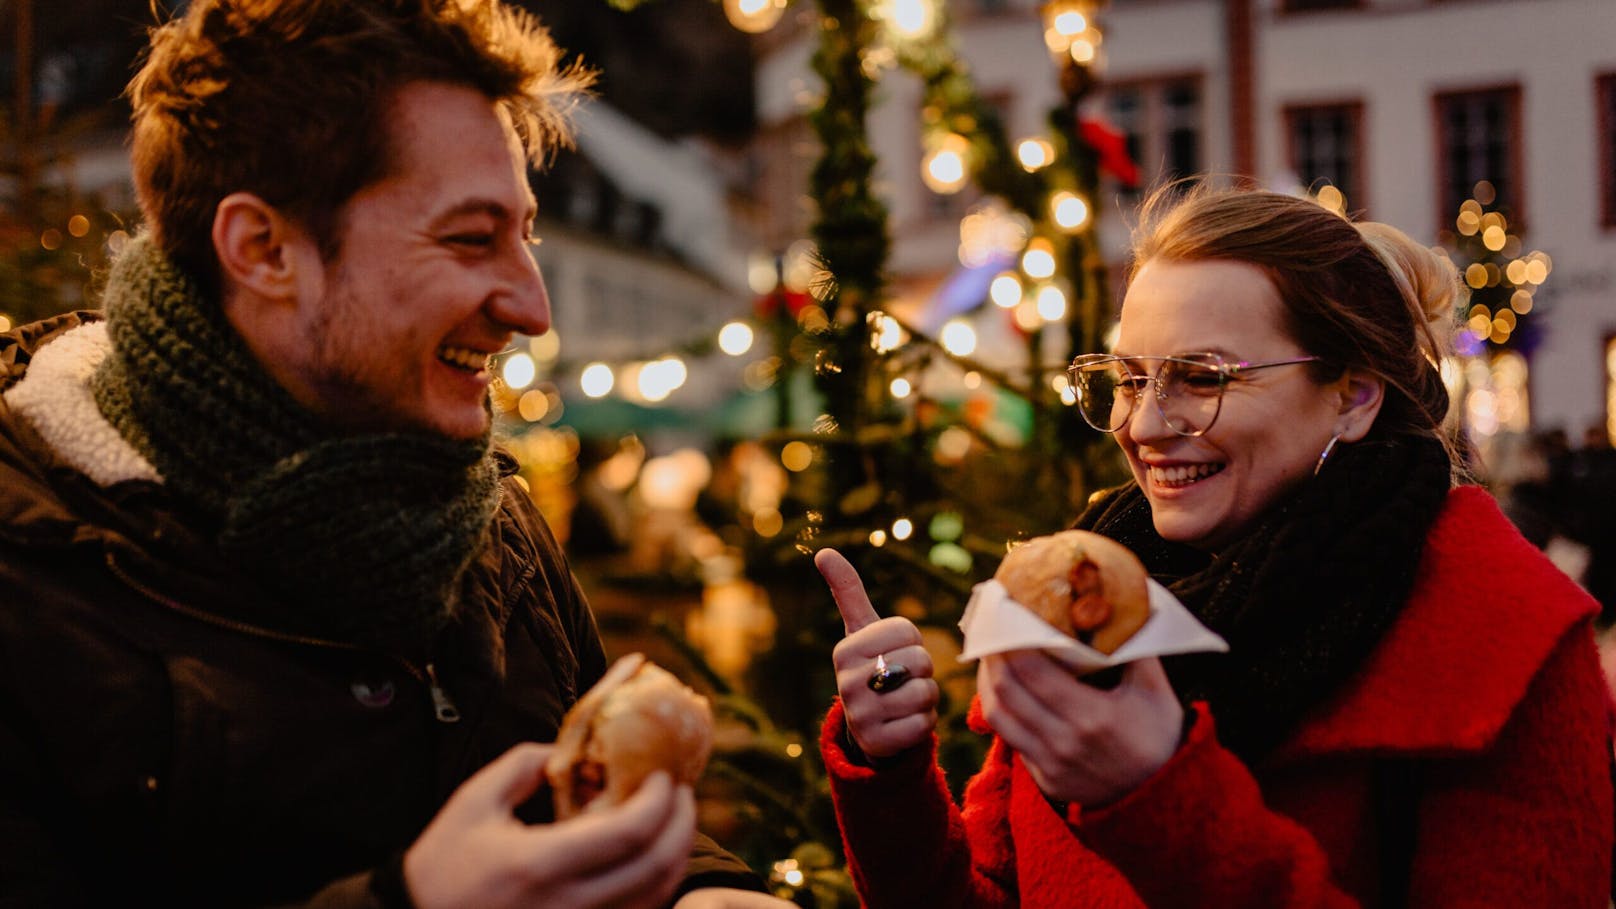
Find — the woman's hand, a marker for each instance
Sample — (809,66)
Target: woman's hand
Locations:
(1080,743)
(902,716)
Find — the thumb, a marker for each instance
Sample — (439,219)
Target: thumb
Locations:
(846,588)
(509,779)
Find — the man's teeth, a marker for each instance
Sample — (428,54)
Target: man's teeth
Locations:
(464,357)
(1182,474)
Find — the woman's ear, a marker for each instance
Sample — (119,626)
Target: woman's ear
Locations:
(1361,395)
(259,249)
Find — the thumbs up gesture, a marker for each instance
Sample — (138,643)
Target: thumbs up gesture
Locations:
(883,674)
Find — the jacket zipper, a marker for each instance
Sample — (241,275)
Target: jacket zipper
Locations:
(443,707)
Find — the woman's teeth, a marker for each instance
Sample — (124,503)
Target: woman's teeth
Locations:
(1182,474)
(464,358)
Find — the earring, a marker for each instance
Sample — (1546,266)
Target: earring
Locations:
(1325,454)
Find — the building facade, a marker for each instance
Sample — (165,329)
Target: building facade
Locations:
(1404,106)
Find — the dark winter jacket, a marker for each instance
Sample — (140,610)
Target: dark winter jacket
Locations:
(1466,765)
(154,754)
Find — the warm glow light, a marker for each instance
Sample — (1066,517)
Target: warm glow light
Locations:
(533,405)
(1005,290)
(902,529)
(762,273)
(1521,301)
(1069,23)
(1051,304)
(1332,199)
(1083,51)
(943,169)
(767,522)
(1468,223)
(78,225)
(1068,396)
(661,378)
(754,16)
(1034,154)
(518,371)
(1476,275)
(901,388)
(5,323)
(1068,210)
(1026,316)
(546,347)
(796,456)
(878,538)
(959,338)
(911,18)
(972,379)
(596,380)
(887,335)
(1537,271)
(735,338)
(1493,238)
(1039,259)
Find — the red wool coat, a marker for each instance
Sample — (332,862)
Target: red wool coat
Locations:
(1487,687)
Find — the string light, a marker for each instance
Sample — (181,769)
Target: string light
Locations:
(597,380)
(943,169)
(1068,210)
(1005,291)
(754,16)
(735,338)
(518,371)
(958,338)
(1039,259)
(1034,154)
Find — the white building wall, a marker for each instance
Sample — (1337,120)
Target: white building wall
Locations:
(1395,58)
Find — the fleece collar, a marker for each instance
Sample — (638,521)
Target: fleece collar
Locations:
(54,396)
(1486,611)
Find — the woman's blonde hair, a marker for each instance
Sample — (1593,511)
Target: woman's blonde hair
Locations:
(1357,295)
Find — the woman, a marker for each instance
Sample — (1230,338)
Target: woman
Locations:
(1410,711)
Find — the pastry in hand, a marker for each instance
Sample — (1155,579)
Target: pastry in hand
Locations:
(1089,586)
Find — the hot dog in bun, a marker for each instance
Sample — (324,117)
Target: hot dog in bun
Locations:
(637,719)
(1084,584)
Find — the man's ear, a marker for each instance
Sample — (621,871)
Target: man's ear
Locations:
(260,250)
(1362,394)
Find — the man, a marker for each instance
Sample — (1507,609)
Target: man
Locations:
(276,626)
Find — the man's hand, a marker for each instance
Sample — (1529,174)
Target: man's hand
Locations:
(476,853)
(1080,743)
(727,898)
(881,723)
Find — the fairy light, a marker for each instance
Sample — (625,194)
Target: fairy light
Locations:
(958,338)
(1035,154)
(1005,291)
(597,380)
(519,371)
(901,388)
(943,169)
(1068,210)
(735,338)
(1039,259)
(1051,304)
(902,529)
(754,16)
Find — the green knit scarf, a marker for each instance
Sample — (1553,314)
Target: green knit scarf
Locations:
(359,539)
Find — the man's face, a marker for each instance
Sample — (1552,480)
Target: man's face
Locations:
(434,275)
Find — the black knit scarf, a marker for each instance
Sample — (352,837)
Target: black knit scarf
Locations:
(358,538)
(1305,596)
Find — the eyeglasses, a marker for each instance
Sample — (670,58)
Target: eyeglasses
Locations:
(1189,388)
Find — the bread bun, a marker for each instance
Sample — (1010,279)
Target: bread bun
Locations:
(1084,584)
(636,720)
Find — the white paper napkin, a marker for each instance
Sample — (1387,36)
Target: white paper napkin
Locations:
(994,623)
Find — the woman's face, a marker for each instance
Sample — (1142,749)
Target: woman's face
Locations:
(1207,490)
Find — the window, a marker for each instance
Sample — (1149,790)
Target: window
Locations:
(1479,138)
(1605,94)
(1325,143)
(1160,120)
(1296,6)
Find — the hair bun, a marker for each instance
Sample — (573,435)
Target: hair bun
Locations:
(1427,280)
